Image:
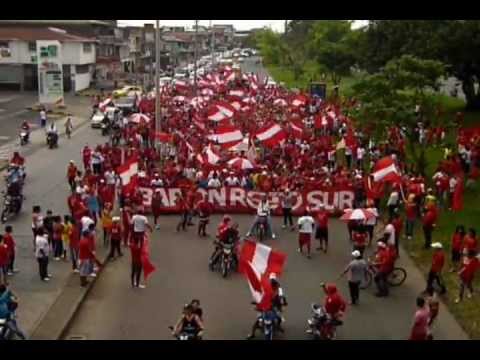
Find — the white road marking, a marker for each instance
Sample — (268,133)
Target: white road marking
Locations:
(2,137)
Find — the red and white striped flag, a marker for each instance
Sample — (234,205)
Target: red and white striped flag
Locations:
(181,85)
(128,173)
(271,135)
(257,262)
(220,110)
(299,100)
(208,157)
(386,170)
(198,122)
(297,128)
(227,136)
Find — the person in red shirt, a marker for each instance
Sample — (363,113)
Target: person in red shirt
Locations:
(470,241)
(3,261)
(397,223)
(321,233)
(71,175)
(74,237)
(334,304)
(429,220)
(157,206)
(204,209)
(86,156)
(86,257)
(457,246)
(383,264)
(438,262)
(17,159)
(10,242)
(359,239)
(410,215)
(467,273)
(181,203)
(136,255)
(115,237)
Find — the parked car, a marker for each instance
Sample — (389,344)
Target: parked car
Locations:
(96,120)
(129,90)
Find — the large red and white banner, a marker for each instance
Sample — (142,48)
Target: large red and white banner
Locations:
(236,200)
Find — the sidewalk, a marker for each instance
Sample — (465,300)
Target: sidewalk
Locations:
(46,186)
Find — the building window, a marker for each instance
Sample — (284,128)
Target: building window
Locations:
(32,46)
(82,69)
(87,48)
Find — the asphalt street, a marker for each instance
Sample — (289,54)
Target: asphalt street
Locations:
(113,310)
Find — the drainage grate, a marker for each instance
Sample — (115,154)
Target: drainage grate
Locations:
(77,337)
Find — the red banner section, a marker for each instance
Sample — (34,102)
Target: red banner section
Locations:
(235,200)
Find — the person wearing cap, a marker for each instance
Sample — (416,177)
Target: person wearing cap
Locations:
(357,272)
(382,263)
(438,262)
(71,175)
(115,237)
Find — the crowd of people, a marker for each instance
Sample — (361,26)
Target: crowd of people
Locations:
(318,145)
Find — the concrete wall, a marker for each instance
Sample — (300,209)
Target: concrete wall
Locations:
(82,81)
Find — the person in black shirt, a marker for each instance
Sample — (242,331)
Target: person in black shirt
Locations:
(48,225)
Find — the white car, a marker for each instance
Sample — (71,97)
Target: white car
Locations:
(96,120)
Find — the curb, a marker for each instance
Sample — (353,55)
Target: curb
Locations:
(57,319)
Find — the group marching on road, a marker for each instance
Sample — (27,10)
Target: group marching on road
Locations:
(236,132)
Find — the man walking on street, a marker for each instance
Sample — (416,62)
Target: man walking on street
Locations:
(42,249)
(357,272)
(438,262)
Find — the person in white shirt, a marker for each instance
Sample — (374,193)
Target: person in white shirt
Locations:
(214,182)
(140,224)
(97,160)
(109,178)
(263,211)
(305,228)
(360,154)
(393,202)
(42,249)
(389,231)
(86,222)
(232,180)
(156,182)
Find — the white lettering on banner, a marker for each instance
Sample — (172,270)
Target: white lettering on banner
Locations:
(147,195)
(346,199)
(218,196)
(299,200)
(172,195)
(313,201)
(254,198)
(238,199)
(237,195)
(203,193)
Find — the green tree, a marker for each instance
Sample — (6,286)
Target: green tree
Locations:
(456,43)
(333,45)
(389,97)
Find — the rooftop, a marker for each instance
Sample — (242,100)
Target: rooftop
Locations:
(33,34)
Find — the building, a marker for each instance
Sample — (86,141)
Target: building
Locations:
(110,47)
(224,35)
(18,57)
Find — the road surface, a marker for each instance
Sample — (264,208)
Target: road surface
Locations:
(114,310)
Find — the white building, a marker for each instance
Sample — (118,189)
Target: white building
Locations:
(18,60)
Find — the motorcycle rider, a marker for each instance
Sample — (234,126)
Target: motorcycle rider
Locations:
(278,302)
(334,305)
(52,131)
(25,127)
(8,305)
(227,233)
(263,211)
(17,159)
(189,322)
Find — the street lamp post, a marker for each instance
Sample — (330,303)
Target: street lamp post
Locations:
(195,59)
(157,79)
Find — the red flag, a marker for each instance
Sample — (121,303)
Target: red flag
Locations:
(148,267)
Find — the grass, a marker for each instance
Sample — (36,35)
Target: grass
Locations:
(467,312)
(285,75)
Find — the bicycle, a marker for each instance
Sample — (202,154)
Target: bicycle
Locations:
(395,278)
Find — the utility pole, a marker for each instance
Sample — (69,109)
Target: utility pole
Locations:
(195,59)
(158,113)
(212,44)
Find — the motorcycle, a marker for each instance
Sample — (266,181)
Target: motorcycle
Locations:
(12,205)
(227,259)
(52,140)
(186,335)
(5,333)
(266,322)
(23,137)
(321,325)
